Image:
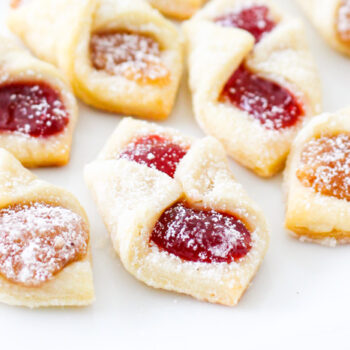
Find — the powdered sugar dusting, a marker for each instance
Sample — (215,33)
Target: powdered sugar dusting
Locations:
(272,105)
(156,152)
(326,165)
(38,240)
(201,235)
(135,56)
(256,19)
(343,24)
(32,108)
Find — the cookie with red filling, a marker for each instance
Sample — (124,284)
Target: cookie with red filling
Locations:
(253,80)
(38,112)
(176,216)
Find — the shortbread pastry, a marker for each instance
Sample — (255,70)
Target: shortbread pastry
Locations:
(177,217)
(121,56)
(253,79)
(317,180)
(179,9)
(45,255)
(332,19)
(38,111)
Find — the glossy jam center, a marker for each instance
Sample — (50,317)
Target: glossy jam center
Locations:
(34,109)
(254,19)
(39,240)
(136,56)
(325,166)
(273,105)
(343,23)
(156,152)
(201,235)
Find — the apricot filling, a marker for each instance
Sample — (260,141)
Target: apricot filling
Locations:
(343,22)
(156,152)
(133,55)
(325,166)
(256,20)
(32,108)
(38,240)
(15,3)
(271,104)
(205,236)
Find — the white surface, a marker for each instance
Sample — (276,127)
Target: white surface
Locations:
(300,296)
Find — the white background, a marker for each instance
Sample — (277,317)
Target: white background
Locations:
(299,298)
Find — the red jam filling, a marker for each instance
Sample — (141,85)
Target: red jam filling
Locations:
(273,105)
(204,236)
(34,109)
(255,19)
(38,240)
(156,152)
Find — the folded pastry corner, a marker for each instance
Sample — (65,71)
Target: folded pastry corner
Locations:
(120,56)
(332,19)
(45,257)
(316,181)
(253,79)
(176,216)
(178,9)
(38,110)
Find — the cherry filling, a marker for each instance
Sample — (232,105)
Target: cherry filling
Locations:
(133,55)
(325,166)
(204,236)
(156,152)
(343,23)
(255,19)
(273,105)
(38,240)
(34,109)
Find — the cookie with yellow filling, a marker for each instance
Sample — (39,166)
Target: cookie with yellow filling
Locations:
(317,181)
(120,56)
(45,257)
(332,19)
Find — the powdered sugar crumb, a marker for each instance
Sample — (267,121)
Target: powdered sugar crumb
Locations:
(133,55)
(38,240)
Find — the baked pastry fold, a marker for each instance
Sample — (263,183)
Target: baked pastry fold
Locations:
(332,20)
(72,285)
(316,181)
(63,32)
(179,9)
(19,67)
(131,198)
(281,56)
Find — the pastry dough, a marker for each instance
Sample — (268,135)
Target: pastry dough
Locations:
(131,197)
(141,61)
(332,19)
(179,9)
(17,66)
(317,207)
(282,56)
(71,286)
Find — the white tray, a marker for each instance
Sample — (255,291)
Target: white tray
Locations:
(300,296)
